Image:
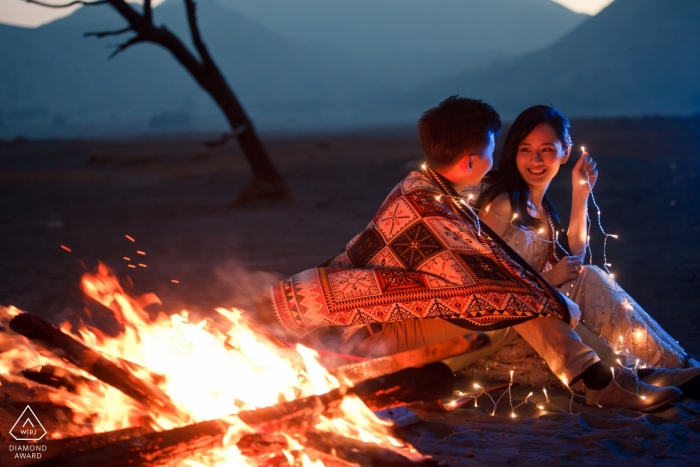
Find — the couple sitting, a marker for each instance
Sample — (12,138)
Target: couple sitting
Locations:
(433,264)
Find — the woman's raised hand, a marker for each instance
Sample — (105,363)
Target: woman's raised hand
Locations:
(569,267)
(584,174)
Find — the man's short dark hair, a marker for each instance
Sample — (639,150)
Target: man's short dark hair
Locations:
(455,126)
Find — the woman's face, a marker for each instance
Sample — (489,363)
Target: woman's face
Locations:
(539,156)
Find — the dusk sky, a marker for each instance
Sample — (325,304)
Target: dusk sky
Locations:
(17,12)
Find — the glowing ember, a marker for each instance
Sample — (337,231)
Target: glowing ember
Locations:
(209,368)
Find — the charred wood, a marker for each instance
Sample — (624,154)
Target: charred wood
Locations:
(429,383)
(59,378)
(69,349)
(150,449)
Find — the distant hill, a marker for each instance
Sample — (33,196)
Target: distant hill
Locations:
(54,82)
(636,57)
(414,40)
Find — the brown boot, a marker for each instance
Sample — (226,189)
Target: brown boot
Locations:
(672,376)
(626,391)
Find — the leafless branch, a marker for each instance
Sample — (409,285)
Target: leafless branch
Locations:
(196,36)
(127,44)
(66,5)
(102,34)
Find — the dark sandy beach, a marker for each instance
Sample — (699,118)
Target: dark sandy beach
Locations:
(172,196)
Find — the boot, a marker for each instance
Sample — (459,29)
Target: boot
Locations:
(685,379)
(671,376)
(626,391)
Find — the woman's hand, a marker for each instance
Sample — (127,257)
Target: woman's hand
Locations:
(584,174)
(568,268)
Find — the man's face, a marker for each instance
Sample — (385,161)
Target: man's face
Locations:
(482,161)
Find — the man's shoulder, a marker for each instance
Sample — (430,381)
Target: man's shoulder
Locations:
(417,181)
(415,194)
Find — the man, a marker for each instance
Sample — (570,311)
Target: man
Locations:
(426,270)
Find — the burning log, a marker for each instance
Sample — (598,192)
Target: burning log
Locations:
(426,384)
(69,349)
(429,383)
(150,449)
(71,446)
(59,378)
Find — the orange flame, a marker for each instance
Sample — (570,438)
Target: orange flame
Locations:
(210,368)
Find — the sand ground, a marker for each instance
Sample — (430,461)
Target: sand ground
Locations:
(172,196)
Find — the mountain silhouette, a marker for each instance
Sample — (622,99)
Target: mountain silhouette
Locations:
(55,82)
(636,57)
(414,40)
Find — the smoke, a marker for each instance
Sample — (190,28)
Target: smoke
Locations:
(243,285)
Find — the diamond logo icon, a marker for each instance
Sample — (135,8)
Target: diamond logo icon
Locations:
(28,427)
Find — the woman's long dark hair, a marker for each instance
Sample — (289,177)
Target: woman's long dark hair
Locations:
(507,178)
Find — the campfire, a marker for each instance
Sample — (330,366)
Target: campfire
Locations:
(171,390)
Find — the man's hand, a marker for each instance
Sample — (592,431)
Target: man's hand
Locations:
(574,311)
(568,268)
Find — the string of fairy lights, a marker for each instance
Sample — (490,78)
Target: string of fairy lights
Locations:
(606,264)
(626,303)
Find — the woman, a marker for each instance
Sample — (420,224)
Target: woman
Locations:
(513,202)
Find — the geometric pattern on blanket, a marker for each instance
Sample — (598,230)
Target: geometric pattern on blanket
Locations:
(421,257)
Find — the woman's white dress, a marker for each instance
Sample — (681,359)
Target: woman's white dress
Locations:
(616,327)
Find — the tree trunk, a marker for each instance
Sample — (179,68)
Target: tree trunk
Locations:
(267,183)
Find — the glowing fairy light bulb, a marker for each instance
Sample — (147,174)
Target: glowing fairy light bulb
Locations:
(545,394)
(612,275)
(515,216)
(614,236)
(583,149)
(512,415)
(540,406)
(438,197)
(643,397)
(620,337)
(476,386)
(541,230)
(423,166)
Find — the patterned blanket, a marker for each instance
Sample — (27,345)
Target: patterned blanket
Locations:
(424,255)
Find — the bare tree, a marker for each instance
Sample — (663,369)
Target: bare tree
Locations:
(267,183)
